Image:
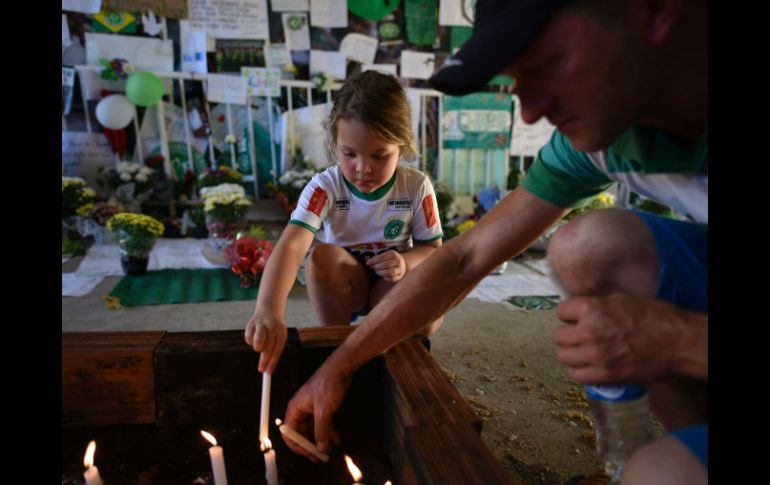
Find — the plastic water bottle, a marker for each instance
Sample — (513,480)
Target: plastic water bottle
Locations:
(623,424)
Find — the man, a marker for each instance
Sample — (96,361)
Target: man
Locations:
(625,83)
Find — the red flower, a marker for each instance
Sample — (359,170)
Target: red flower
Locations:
(248,257)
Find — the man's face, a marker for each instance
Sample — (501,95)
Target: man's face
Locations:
(584,78)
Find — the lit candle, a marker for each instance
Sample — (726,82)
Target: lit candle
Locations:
(92,473)
(302,441)
(354,471)
(271,472)
(265,408)
(217,460)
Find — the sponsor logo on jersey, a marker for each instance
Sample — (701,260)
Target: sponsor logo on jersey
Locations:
(317,201)
(399,205)
(393,229)
(342,205)
(427,209)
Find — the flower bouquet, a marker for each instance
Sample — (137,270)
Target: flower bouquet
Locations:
(131,182)
(290,186)
(93,220)
(248,256)
(74,195)
(222,175)
(225,206)
(136,235)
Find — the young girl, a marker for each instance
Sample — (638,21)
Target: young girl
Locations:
(375,219)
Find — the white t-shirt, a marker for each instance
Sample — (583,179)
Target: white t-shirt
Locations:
(394,216)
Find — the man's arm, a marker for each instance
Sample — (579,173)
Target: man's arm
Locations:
(421,297)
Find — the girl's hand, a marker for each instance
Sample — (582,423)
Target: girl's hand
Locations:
(266,334)
(390,265)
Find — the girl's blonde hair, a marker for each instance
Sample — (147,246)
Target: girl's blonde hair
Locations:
(379,102)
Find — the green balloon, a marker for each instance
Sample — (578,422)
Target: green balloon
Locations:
(372,9)
(144,89)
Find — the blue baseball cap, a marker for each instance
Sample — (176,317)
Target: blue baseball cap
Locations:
(501,31)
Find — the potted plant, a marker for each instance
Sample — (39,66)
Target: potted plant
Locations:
(136,235)
(225,206)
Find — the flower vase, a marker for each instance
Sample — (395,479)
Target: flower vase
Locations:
(221,233)
(134,265)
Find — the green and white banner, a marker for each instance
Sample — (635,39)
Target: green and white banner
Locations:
(479,120)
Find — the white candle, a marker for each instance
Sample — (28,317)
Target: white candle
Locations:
(217,455)
(302,441)
(271,472)
(92,473)
(264,415)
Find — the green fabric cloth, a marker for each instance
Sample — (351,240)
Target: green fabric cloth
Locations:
(181,286)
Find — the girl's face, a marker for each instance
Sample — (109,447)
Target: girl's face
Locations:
(366,161)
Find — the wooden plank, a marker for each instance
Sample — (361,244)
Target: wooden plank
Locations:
(206,377)
(107,378)
(328,336)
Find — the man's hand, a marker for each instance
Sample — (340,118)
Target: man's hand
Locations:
(621,338)
(266,334)
(313,406)
(390,265)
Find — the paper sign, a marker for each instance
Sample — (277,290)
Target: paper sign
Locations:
(235,19)
(296,31)
(193,49)
(289,5)
(386,68)
(417,65)
(415,104)
(67,85)
(262,81)
(146,54)
(82,154)
(456,12)
(329,13)
(477,120)
(330,63)
(226,89)
(65,31)
(74,285)
(360,48)
(276,55)
(527,140)
(84,6)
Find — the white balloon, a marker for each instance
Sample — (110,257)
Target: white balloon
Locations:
(115,112)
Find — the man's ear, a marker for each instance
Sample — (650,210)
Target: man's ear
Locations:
(657,18)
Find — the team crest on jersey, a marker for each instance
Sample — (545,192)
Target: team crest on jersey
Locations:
(399,205)
(342,204)
(427,209)
(393,229)
(317,201)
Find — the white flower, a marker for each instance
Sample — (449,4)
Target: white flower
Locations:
(141,177)
(147,171)
(298,184)
(230,138)
(125,176)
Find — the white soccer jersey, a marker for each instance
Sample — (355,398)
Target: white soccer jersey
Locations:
(394,216)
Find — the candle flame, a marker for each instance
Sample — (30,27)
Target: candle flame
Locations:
(388,483)
(278,422)
(353,469)
(209,437)
(266,444)
(88,459)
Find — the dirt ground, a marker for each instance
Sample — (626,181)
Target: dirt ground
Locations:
(536,419)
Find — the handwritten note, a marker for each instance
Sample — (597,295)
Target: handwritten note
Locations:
(329,13)
(289,5)
(328,62)
(360,48)
(262,81)
(456,12)
(276,55)
(222,88)
(83,153)
(296,31)
(235,19)
(417,65)
(146,54)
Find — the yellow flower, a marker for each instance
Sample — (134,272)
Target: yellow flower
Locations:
(84,209)
(465,226)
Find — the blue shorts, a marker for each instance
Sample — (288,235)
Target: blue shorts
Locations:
(696,439)
(683,254)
